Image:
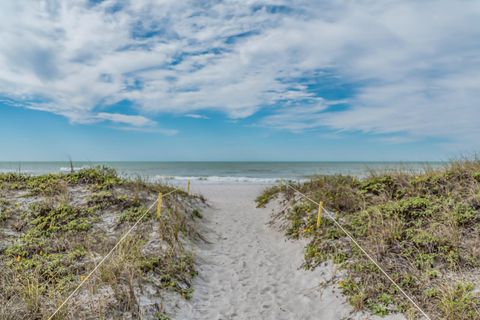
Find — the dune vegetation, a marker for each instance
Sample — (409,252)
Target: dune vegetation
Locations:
(55,228)
(422,228)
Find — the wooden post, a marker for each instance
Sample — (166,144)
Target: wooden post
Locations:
(188,186)
(319,214)
(159,205)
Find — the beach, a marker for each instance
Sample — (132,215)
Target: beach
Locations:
(222,160)
(243,248)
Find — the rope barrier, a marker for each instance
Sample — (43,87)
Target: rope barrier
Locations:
(108,255)
(321,207)
(331,216)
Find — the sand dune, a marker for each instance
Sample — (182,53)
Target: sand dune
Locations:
(250,271)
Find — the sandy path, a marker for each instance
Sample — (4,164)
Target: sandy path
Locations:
(250,271)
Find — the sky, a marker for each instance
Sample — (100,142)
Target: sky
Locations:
(266,80)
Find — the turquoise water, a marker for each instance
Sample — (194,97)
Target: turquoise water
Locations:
(223,171)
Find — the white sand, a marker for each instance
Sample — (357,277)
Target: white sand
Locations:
(250,271)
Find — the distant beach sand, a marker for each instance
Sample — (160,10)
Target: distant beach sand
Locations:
(251,271)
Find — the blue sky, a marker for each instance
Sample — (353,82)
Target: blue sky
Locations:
(239,80)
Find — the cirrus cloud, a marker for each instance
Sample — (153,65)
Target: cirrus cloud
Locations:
(413,66)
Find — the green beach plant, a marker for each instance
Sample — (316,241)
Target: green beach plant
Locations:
(58,226)
(422,228)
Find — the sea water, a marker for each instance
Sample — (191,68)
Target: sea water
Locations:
(224,172)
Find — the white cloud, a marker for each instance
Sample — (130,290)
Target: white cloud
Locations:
(413,65)
(167,132)
(136,121)
(299,118)
(196,116)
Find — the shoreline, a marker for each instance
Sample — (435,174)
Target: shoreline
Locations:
(208,172)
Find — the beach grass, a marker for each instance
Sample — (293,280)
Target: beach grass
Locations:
(422,228)
(55,228)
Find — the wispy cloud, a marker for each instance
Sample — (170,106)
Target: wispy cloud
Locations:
(196,116)
(298,118)
(413,65)
(166,132)
(136,121)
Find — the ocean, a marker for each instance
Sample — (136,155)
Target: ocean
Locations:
(224,172)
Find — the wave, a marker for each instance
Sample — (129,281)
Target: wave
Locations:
(218,179)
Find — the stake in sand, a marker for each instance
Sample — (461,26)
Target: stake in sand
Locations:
(319,214)
(159,205)
(188,186)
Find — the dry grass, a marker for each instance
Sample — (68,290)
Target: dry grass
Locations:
(55,228)
(423,228)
